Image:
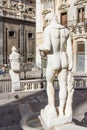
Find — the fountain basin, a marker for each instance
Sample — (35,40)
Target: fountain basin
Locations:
(31,122)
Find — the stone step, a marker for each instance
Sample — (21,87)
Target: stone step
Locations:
(4,128)
(25,109)
(13,127)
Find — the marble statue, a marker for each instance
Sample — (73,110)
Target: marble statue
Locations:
(15,69)
(20,7)
(57,46)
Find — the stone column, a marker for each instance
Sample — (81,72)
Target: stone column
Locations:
(39,26)
(85,55)
(39,30)
(1,43)
(22,39)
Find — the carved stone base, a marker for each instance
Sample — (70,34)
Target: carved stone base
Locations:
(67,126)
(70,127)
(51,121)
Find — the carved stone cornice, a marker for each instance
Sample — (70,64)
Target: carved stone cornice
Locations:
(43,1)
(80,2)
(46,11)
(63,6)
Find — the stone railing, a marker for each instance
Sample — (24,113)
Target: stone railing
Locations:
(35,83)
(80,82)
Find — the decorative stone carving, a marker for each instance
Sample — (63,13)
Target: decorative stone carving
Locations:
(15,69)
(78,2)
(20,8)
(77,30)
(57,38)
(64,6)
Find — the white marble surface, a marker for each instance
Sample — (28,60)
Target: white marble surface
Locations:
(57,46)
(70,127)
(15,80)
(53,120)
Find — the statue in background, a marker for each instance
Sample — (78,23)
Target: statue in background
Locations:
(58,48)
(15,69)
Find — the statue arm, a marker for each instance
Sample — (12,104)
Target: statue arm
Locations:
(69,53)
(46,45)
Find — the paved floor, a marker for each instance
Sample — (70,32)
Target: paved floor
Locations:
(14,106)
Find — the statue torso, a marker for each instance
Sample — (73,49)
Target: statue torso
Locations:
(58,38)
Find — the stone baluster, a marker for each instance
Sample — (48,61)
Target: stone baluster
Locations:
(83,30)
(77,30)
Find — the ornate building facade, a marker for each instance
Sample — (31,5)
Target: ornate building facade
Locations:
(17,28)
(72,14)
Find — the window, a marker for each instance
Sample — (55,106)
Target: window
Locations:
(64,18)
(81,15)
(30,35)
(30,9)
(80,57)
(12,34)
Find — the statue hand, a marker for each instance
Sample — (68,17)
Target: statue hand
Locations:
(70,66)
(43,53)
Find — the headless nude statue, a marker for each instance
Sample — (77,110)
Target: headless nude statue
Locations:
(57,38)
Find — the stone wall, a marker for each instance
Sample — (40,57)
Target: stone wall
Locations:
(19,34)
(17,28)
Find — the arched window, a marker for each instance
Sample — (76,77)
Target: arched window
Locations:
(81,57)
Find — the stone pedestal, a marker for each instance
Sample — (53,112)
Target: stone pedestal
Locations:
(15,80)
(52,120)
(67,126)
(70,127)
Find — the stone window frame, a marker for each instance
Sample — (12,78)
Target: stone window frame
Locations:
(30,37)
(65,11)
(80,7)
(12,37)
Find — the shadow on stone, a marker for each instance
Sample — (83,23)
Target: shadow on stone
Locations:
(83,121)
(31,122)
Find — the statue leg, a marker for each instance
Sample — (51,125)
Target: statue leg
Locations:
(62,77)
(50,73)
(70,89)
